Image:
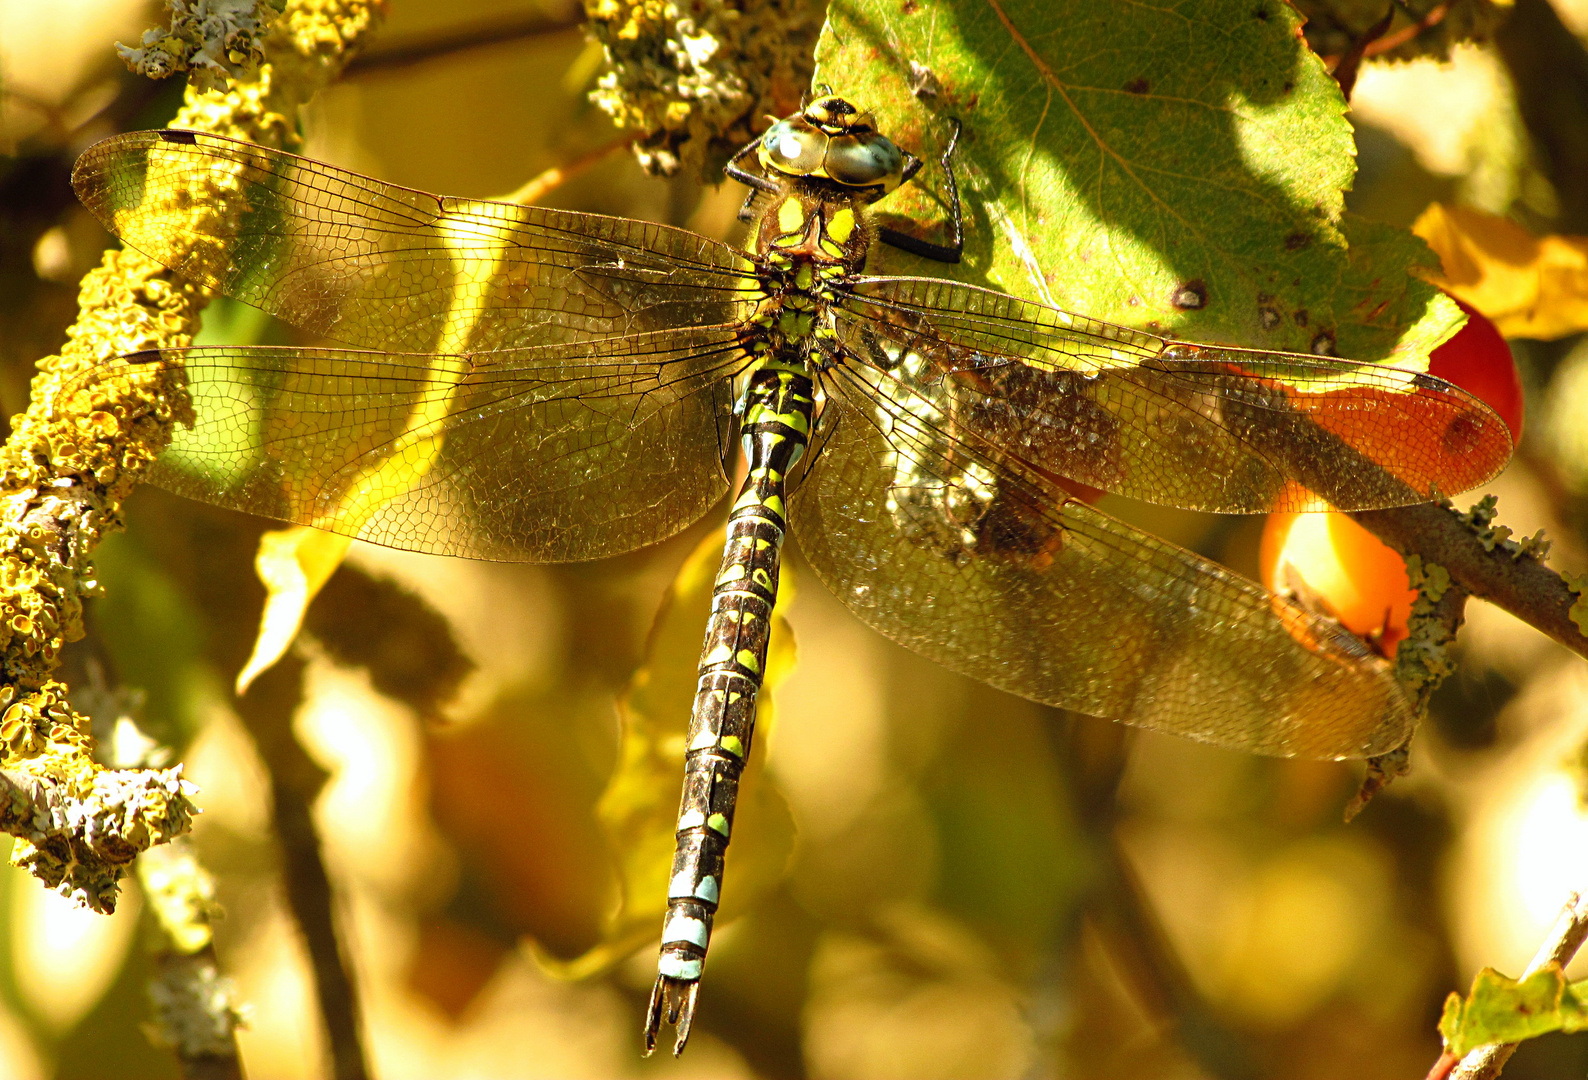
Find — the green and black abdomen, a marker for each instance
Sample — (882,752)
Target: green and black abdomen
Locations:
(776,427)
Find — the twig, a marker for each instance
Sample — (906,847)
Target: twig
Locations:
(1136,939)
(1094,757)
(1560,945)
(1390,42)
(196,1010)
(1519,583)
(79,842)
(540,185)
(1346,69)
(402,54)
(1548,66)
(295,781)
(195,1007)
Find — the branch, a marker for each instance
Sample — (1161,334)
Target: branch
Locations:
(1482,561)
(1093,757)
(1561,944)
(195,1006)
(73,456)
(399,54)
(81,843)
(1422,662)
(295,782)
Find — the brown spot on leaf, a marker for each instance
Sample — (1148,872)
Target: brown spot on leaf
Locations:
(910,7)
(1267,317)
(1296,241)
(1300,315)
(1191,295)
(1138,85)
(1323,344)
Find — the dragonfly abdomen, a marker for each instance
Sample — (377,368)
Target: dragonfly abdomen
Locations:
(776,429)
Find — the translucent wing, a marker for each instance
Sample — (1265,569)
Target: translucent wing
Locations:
(1223,430)
(983,566)
(553,453)
(387,267)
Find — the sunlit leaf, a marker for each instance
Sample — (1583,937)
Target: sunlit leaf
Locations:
(1505,1010)
(1529,286)
(1179,167)
(639,809)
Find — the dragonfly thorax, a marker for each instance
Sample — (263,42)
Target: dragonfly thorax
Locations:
(808,244)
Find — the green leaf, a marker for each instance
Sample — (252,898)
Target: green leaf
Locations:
(1117,159)
(1505,1010)
(639,809)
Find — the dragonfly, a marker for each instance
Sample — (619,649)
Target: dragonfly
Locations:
(524,383)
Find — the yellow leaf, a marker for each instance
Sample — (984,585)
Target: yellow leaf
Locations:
(639,809)
(1530,286)
(293,563)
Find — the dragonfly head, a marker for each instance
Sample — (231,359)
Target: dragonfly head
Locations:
(832,139)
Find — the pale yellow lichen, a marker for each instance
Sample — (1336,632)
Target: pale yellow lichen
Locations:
(1578,612)
(696,80)
(196,1009)
(182,895)
(1422,660)
(217,41)
(77,451)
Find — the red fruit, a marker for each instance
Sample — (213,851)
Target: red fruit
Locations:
(1479,361)
(1331,562)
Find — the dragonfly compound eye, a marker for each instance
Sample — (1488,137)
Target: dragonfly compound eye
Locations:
(793,147)
(864,160)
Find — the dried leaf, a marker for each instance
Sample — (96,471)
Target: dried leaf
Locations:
(294,563)
(1530,286)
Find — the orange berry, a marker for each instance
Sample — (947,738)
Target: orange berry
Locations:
(1336,565)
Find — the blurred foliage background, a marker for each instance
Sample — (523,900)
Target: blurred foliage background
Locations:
(977,887)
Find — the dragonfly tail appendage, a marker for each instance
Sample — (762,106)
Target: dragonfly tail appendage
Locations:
(776,428)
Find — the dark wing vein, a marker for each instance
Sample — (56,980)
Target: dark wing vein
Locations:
(933,536)
(552,453)
(388,267)
(1206,428)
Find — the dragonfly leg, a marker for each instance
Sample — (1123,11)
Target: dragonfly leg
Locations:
(951,251)
(776,426)
(756,184)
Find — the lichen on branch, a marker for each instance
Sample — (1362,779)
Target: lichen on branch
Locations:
(215,41)
(695,80)
(72,458)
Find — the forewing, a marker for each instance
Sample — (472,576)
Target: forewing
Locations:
(387,267)
(989,570)
(563,452)
(1222,430)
